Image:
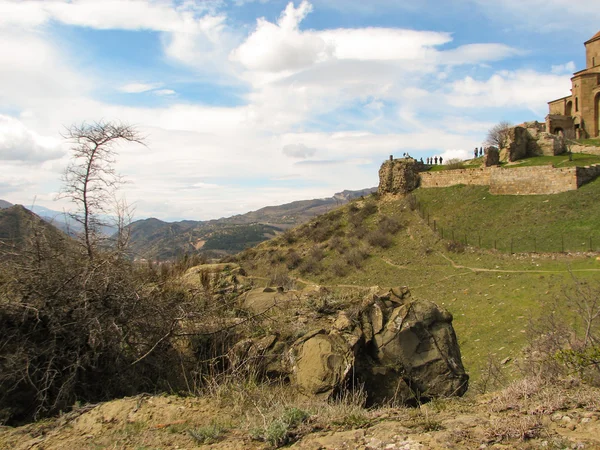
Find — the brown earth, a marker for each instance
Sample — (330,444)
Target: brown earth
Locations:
(526,415)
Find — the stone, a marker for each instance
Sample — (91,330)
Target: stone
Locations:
(550,145)
(399,176)
(342,322)
(415,355)
(321,362)
(491,157)
(517,144)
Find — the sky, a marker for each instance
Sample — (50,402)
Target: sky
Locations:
(249,103)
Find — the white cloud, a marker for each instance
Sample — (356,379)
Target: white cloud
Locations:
(164,92)
(523,88)
(138,88)
(567,68)
(158,15)
(18,143)
(299,151)
(282,46)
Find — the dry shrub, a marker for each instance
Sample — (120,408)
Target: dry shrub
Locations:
(379,238)
(81,329)
(312,263)
(289,237)
(389,225)
(455,246)
(283,279)
(337,244)
(340,269)
(356,256)
(565,341)
(293,260)
(411,201)
(514,427)
(454,163)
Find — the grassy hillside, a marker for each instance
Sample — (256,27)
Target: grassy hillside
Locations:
(492,295)
(543,223)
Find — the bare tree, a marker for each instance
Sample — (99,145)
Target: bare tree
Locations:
(497,136)
(90,179)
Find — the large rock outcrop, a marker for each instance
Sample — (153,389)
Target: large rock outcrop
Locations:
(399,176)
(398,348)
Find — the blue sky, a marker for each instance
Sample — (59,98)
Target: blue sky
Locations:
(253,103)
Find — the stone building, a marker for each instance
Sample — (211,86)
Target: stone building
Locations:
(578,114)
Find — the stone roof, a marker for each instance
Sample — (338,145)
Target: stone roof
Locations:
(595,37)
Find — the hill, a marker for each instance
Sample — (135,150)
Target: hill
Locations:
(156,239)
(19,227)
(492,294)
(4,204)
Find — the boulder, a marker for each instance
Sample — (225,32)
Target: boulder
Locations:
(400,349)
(415,349)
(320,363)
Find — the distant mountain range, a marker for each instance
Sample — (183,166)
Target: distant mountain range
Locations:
(155,239)
(158,240)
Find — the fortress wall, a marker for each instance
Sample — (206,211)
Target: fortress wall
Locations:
(478,177)
(535,180)
(587,174)
(532,180)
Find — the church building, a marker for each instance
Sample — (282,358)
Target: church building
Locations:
(578,115)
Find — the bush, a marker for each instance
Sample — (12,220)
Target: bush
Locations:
(389,225)
(293,260)
(379,238)
(356,256)
(81,329)
(340,269)
(454,163)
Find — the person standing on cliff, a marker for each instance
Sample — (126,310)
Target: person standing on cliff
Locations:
(441,160)
(435,159)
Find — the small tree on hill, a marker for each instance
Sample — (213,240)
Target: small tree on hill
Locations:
(90,180)
(497,136)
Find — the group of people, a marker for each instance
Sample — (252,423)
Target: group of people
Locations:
(431,161)
(480,151)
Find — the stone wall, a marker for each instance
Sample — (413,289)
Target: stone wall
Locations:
(534,180)
(445,178)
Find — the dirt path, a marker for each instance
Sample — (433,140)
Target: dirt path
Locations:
(481,269)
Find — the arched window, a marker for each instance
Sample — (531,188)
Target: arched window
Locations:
(576,104)
(569,109)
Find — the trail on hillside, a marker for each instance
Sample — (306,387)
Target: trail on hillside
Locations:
(482,269)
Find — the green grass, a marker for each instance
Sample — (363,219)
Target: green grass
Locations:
(577,159)
(593,142)
(542,223)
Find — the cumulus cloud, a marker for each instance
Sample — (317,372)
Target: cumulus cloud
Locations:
(299,151)
(18,143)
(280,46)
(522,88)
(157,15)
